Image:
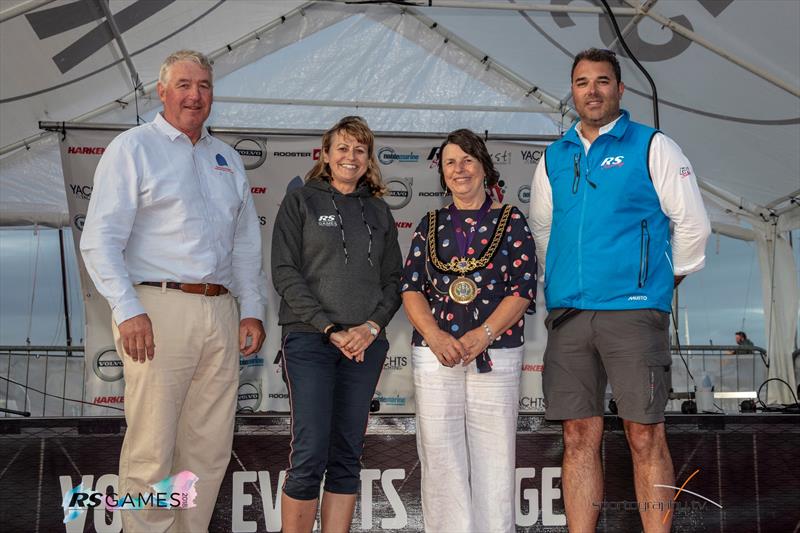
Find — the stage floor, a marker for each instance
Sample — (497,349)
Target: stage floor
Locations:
(747,477)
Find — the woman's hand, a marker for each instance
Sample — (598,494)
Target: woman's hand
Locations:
(447,349)
(353,342)
(475,341)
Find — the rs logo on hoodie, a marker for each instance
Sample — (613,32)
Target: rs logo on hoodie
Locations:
(327,220)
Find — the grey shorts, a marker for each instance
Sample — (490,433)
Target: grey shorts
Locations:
(630,349)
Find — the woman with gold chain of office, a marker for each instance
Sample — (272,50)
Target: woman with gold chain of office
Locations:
(469,277)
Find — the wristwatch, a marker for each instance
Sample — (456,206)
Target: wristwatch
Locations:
(372,329)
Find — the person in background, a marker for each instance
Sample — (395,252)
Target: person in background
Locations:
(171,237)
(336,266)
(468,279)
(602,201)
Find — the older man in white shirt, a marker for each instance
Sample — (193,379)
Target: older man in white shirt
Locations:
(171,237)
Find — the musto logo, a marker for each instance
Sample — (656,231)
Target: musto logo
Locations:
(249,397)
(253,152)
(107,365)
(398,192)
(387,156)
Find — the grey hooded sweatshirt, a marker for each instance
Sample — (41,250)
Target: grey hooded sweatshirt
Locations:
(335,259)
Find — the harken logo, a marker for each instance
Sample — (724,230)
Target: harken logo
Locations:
(86,150)
(387,156)
(614,161)
(79,221)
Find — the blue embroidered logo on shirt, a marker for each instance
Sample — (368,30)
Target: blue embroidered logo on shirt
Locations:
(222,164)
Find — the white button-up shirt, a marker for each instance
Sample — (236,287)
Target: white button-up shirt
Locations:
(677,192)
(163,209)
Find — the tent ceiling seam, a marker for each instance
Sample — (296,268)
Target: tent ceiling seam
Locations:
(112,24)
(530,88)
(694,37)
(147,89)
(381,105)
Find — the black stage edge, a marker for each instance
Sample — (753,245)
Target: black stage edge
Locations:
(746,463)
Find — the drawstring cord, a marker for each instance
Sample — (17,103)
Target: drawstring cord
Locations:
(341,229)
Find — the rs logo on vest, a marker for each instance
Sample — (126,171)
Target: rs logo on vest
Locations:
(327,220)
(611,162)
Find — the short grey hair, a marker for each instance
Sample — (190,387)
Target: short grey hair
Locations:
(185,55)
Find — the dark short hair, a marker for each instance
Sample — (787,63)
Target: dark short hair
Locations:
(599,56)
(742,333)
(472,144)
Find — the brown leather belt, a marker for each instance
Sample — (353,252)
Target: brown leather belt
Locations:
(206,289)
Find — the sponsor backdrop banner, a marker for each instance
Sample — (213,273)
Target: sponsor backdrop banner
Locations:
(276,165)
(728,484)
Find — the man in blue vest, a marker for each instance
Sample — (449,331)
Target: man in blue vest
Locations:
(602,201)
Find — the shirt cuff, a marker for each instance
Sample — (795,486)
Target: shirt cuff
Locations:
(320,321)
(252,310)
(128,309)
(688,269)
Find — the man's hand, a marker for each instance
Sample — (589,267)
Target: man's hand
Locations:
(254,329)
(136,334)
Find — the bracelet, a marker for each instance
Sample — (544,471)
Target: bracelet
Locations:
(489,333)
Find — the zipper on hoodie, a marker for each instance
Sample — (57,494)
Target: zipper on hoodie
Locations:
(644,250)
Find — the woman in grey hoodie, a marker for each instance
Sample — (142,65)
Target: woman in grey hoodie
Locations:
(336,265)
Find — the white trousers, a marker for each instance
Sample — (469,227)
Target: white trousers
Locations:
(180,407)
(466,440)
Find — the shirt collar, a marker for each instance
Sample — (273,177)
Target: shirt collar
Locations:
(172,132)
(615,128)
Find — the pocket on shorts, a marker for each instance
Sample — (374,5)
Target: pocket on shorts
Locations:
(660,319)
(658,381)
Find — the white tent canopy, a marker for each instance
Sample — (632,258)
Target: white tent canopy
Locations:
(727,73)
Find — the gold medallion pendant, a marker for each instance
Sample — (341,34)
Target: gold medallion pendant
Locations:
(463,290)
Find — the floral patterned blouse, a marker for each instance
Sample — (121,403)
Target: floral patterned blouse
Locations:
(511,272)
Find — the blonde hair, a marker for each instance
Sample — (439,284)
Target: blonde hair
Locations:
(357,128)
(184,55)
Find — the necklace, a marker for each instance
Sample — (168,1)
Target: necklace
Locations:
(464,290)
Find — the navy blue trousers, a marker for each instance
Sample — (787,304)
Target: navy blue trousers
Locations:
(329,396)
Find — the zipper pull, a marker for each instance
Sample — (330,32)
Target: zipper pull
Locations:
(577,166)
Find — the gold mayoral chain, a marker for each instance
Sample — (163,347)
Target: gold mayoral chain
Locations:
(464,290)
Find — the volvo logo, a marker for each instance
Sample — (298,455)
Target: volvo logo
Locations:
(107,365)
(249,397)
(398,192)
(253,152)
(524,194)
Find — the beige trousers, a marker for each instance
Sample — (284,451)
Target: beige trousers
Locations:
(180,407)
